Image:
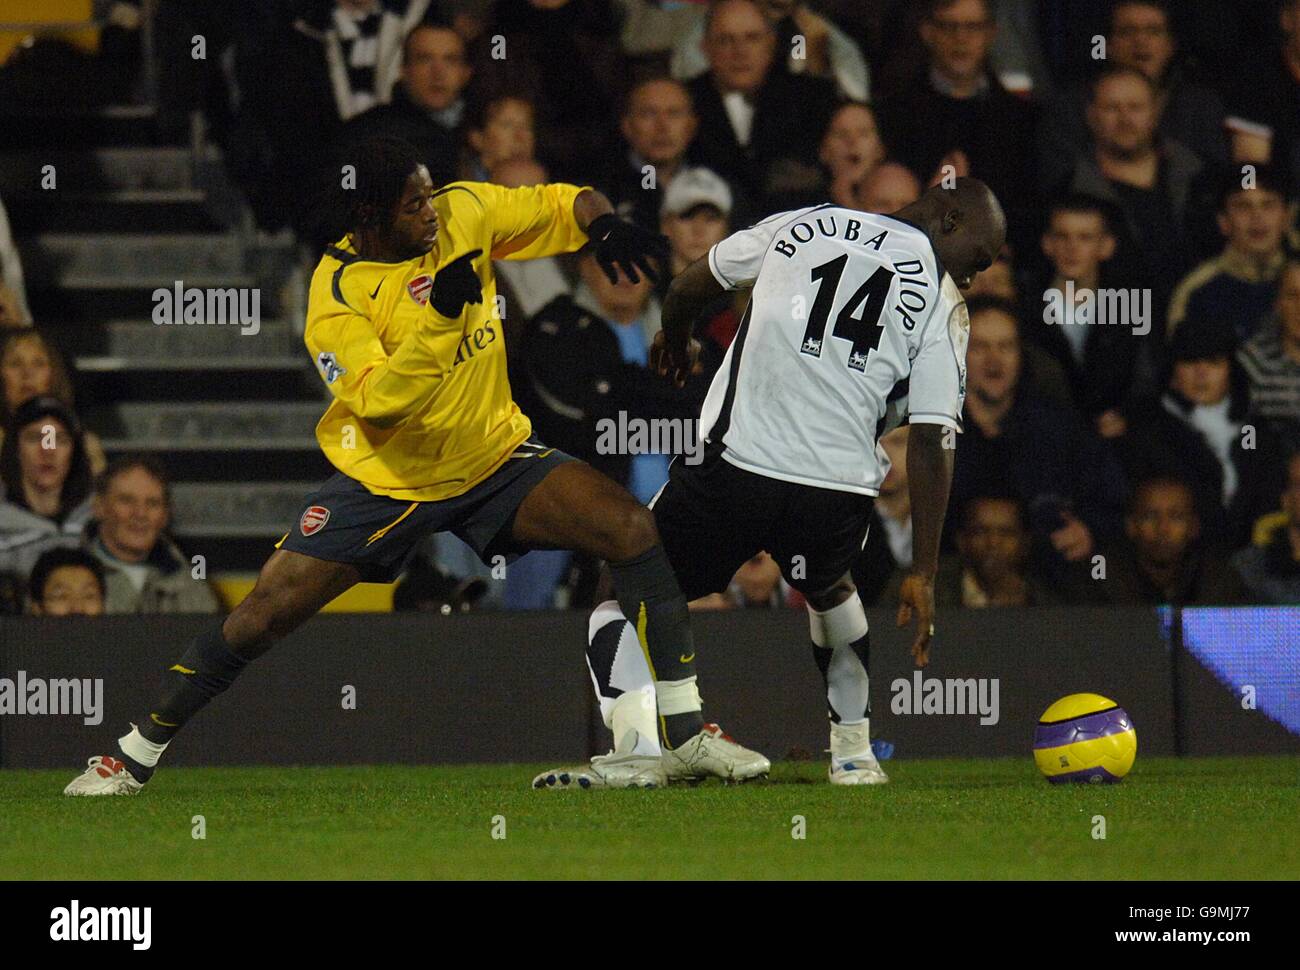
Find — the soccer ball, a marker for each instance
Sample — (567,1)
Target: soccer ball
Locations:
(1085,737)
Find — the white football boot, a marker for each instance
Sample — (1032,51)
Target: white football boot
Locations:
(613,770)
(607,771)
(852,760)
(713,754)
(103,776)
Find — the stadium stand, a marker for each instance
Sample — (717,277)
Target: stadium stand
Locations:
(157,152)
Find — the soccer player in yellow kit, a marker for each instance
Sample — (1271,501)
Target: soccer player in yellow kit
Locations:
(426,438)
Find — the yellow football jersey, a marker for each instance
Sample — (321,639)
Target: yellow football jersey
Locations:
(422,408)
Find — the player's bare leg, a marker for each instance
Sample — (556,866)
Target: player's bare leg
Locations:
(576,507)
(840,647)
(290,590)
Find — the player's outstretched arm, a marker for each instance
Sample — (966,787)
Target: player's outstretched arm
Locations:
(675,351)
(620,245)
(929,472)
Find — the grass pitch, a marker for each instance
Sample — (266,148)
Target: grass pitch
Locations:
(1223,818)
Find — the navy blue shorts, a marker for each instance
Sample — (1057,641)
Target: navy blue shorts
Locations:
(343,521)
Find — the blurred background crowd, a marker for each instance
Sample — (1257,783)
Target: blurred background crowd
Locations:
(1132,423)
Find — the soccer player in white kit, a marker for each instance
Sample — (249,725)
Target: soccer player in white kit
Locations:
(856,324)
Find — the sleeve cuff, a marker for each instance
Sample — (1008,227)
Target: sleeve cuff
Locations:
(725,283)
(932,417)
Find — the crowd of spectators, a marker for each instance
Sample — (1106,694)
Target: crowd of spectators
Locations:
(1133,393)
(78,534)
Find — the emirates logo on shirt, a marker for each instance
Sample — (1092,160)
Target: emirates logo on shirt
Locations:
(420,288)
(313,520)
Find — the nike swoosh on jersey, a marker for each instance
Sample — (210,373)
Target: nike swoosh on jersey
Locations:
(377,289)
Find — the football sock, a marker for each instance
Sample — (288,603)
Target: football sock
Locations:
(139,754)
(841,645)
(679,710)
(622,680)
(650,598)
(206,669)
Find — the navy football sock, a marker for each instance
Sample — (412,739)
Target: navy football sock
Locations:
(652,601)
(206,669)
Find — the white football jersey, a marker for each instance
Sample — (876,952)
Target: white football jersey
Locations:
(853,327)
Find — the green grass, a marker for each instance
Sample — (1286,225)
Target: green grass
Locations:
(1223,818)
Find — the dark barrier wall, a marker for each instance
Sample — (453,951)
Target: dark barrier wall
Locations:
(514,687)
(427,689)
(760,682)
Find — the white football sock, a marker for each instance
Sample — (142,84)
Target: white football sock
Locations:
(627,701)
(632,719)
(847,684)
(136,746)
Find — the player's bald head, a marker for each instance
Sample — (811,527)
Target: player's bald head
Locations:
(972,206)
(966,224)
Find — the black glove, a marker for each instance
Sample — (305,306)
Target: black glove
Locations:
(455,285)
(626,246)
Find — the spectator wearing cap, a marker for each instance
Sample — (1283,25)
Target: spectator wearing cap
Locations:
(889,186)
(32,366)
(955,118)
(1163,558)
(1201,430)
(695,218)
(428,102)
(1271,571)
(658,124)
(850,150)
(760,128)
(1104,364)
(1019,441)
(1153,181)
(1139,37)
(1239,285)
(66,582)
(1271,360)
(145,571)
(825,52)
(46,479)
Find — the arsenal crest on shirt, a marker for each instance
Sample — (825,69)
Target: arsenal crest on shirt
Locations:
(313,520)
(420,287)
